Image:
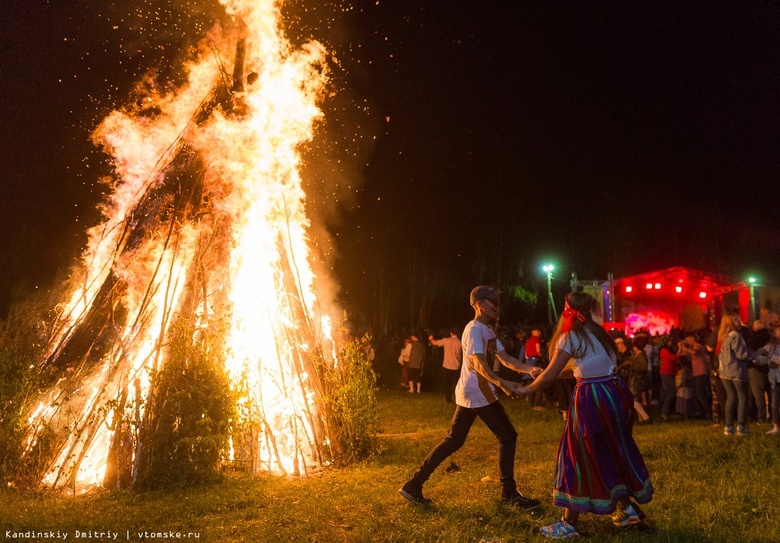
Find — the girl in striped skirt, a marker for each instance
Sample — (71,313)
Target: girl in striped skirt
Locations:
(599,468)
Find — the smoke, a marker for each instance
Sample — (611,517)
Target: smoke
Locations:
(335,160)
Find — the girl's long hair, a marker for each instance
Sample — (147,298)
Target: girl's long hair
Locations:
(729,323)
(583,302)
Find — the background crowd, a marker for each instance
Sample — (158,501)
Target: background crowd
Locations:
(674,376)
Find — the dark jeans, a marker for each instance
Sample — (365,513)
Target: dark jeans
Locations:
(736,401)
(701,387)
(670,394)
(775,402)
(758,383)
(718,399)
(655,379)
(450,382)
(496,419)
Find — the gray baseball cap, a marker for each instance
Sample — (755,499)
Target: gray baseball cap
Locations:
(483,292)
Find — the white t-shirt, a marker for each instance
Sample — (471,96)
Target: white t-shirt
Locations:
(452,352)
(473,390)
(595,363)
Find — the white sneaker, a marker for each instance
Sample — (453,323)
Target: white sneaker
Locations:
(626,517)
(560,529)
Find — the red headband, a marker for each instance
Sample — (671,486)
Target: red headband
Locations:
(570,315)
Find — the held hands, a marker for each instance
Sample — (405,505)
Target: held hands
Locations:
(513,390)
(516,390)
(510,389)
(520,390)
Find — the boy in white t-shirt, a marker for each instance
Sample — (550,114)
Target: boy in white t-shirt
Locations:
(476,396)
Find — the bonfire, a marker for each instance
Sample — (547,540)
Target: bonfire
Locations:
(204,237)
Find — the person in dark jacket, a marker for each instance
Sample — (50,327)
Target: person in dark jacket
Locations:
(415,364)
(757,374)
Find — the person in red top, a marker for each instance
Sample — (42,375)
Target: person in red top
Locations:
(669,367)
(532,345)
(533,357)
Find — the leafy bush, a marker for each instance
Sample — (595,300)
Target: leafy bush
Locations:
(20,354)
(350,404)
(188,417)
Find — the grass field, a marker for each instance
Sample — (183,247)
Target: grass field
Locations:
(708,488)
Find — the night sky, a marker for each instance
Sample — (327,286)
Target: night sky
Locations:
(472,141)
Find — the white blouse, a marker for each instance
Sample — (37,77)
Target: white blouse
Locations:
(595,363)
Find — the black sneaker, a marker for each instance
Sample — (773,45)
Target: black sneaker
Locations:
(414,494)
(518,500)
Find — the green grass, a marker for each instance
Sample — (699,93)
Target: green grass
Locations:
(708,488)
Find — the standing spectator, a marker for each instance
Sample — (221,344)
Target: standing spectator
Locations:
(758,373)
(623,370)
(415,364)
(453,355)
(686,403)
(599,465)
(521,336)
(769,317)
(643,339)
(638,377)
(533,354)
(732,368)
(669,367)
(476,396)
(718,390)
(533,357)
(403,359)
(655,370)
(700,372)
(769,357)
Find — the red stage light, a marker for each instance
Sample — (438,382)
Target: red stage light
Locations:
(649,286)
(702,294)
(657,286)
(678,289)
(629,289)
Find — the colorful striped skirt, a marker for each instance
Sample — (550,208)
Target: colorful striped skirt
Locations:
(598,460)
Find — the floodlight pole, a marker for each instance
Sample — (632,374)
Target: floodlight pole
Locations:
(752,311)
(550,302)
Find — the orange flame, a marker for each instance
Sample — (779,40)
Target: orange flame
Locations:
(251,181)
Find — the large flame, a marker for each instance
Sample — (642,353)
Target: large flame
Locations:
(240,216)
